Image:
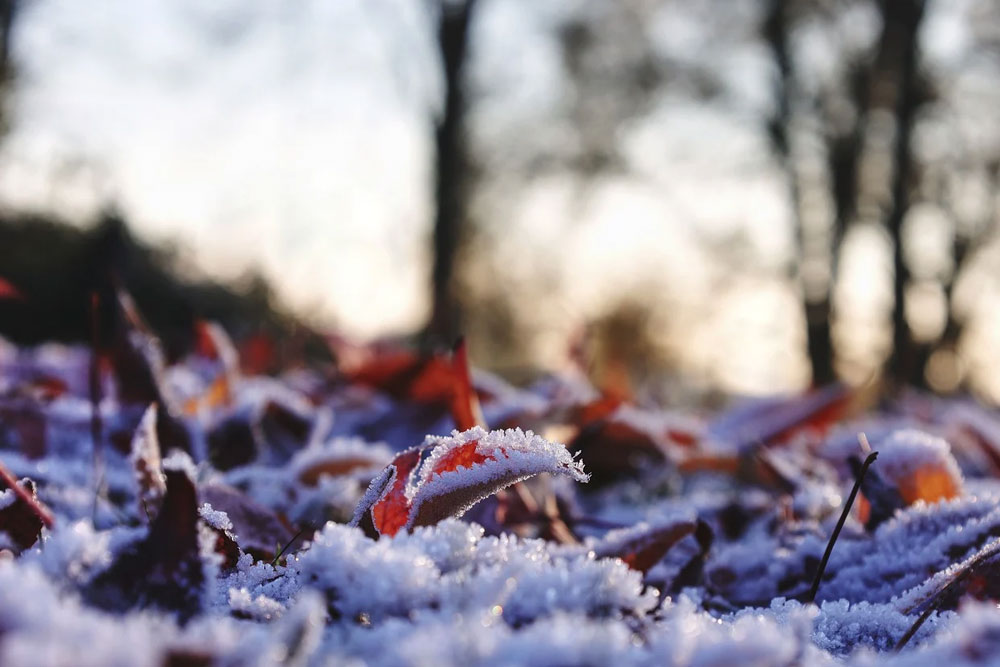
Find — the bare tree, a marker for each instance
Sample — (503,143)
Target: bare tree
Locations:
(898,58)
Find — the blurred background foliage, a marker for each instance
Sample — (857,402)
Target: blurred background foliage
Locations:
(688,196)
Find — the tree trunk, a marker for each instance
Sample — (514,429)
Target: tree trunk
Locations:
(453,32)
(900,43)
(819,343)
(8,10)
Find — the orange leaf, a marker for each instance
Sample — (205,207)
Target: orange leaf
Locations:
(465,404)
(929,483)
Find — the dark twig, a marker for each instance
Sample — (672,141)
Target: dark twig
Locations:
(947,591)
(96,425)
(274,563)
(811,594)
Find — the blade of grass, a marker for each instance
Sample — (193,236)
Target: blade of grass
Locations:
(274,563)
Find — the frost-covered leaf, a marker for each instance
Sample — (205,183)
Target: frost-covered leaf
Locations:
(145,460)
(448,475)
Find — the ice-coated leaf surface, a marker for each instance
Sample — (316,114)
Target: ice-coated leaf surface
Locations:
(447,475)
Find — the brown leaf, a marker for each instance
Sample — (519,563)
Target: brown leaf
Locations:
(643,547)
(163,570)
(257,529)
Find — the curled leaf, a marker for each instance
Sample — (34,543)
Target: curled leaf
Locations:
(392,510)
(145,460)
(448,475)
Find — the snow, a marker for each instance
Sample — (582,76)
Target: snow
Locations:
(506,592)
(214,518)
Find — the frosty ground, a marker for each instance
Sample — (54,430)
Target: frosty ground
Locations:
(318,516)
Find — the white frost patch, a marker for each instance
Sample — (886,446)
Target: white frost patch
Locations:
(7,498)
(215,518)
(181,461)
(261,607)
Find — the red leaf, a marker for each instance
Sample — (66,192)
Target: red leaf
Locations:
(458,472)
(778,420)
(205,340)
(463,456)
(392,510)
(137,361)
(258,355)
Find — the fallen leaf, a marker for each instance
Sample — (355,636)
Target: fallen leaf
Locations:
(448,475)
(643,546)
(146,464)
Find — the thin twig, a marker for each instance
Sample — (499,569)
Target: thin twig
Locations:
(945,592)
(811,594)
(96,426)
